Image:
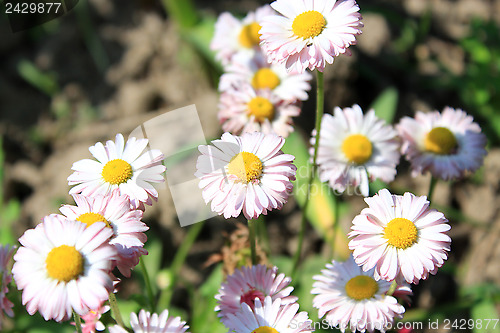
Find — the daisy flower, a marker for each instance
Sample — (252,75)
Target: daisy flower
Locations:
(63,266)
(257,72)
(248,283)
(114,210)
(310,34)
(6,252)
(146,322)
(269,317)
(248,174)
(447,144)
(354,299)
(120,166)
(234,36)
(400,236)
(248,110)
(355,149)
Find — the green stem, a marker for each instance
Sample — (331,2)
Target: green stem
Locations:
(78,322)
(252,240)
(320,101)
(180,257)
(113,304)
(432,185)
(149,289)
(392,288)
(183,12)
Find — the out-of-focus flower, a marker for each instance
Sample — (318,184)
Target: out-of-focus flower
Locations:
(355,149)
(6,252)
(127,167)
(269,317)
(400,236)
(233,36)
(249,283)
(354,299)
(248,110)
(63,266)
(247,173)
(258,73)
(447,144)
(147,322)
(310,34)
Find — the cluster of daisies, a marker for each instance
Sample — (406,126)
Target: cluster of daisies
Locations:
(396,241)
(255,94)
(69,262)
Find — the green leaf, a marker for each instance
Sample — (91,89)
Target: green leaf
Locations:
(321,209)
(46,83)
(203,318)
(487,315)
(386,104)
(200,36)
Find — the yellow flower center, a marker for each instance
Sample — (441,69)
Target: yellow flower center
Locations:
(401,233)
(91,218)
(361,287)
(357,148)
(261,108)
(64,263)
(245,166)
(308,24)
(116,172)
(265,78)
(265,329)
(249,35)
(440,140)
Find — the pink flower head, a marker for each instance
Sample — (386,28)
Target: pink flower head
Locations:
(247,173)
(146,322)
(354,299)
(249,283)
(448,144)
(261,75)
(248,110)
(64,266)
(400,236)
(269,316)
(233,36)
(128,167)
(114,210)
(356,148)
(310,33)
(91,322)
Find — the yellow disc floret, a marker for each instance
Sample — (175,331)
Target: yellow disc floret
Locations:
(265,329)
(265,78)
(357,148)
(361,287)
(261,108)
(249,35)
(117,172)
(401,233)
(440,140)
(308,24)
(64,263)
(246,167)
(91,218)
